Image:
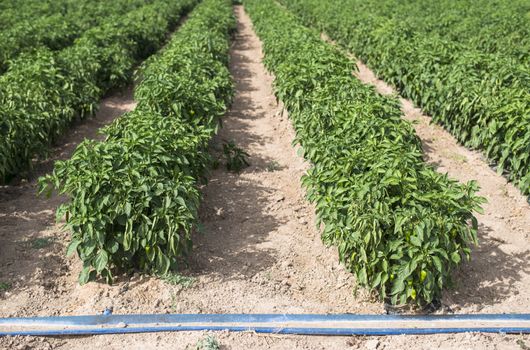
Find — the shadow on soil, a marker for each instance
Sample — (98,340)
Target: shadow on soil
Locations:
(235,224)
(491,274)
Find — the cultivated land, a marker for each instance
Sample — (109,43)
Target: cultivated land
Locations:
(258,249)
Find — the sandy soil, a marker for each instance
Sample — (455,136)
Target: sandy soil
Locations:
(258,252)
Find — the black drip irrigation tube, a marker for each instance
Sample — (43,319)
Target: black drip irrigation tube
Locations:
(303,324)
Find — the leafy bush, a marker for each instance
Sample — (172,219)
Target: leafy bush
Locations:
(207,343)
(236,158)
(400,226)
(134,196)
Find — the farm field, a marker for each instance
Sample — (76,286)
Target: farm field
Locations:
(43,92)
(227,158)
(54,26)
(467,65)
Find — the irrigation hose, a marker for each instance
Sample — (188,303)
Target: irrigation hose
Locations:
(303,324)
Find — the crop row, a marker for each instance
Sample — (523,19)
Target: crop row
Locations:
(400,226)
(488,27)
(477,88)
(44,92)
(14,11)
(497,28)
(58,30)
(134,196)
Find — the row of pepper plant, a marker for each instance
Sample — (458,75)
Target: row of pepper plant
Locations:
(134,196)
(42,93)
(399,226)
(60,29)
(482,25)
(477,85)
(14,11)
(489,27)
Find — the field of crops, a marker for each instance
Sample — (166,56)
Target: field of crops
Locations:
(256,172)
(135,195)
(45,90)
(468,66)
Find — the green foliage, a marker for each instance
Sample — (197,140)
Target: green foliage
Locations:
(4,286)
(236,158)
(207,343)
(466,63)
(57,26)
(134,196)
(176,279)
(400,226)
(44,91)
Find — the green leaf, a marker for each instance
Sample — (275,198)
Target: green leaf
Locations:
(101,261)
(72,247)
(398,286)
(113,247)
(437,263)
(162,263)
(84,276)
(415,240)
(455,257)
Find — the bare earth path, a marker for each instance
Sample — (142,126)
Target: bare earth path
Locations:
(259,251)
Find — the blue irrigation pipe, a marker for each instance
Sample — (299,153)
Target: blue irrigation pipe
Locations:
(306,324)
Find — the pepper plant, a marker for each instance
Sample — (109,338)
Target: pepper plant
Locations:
(55,27)
(44,91)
